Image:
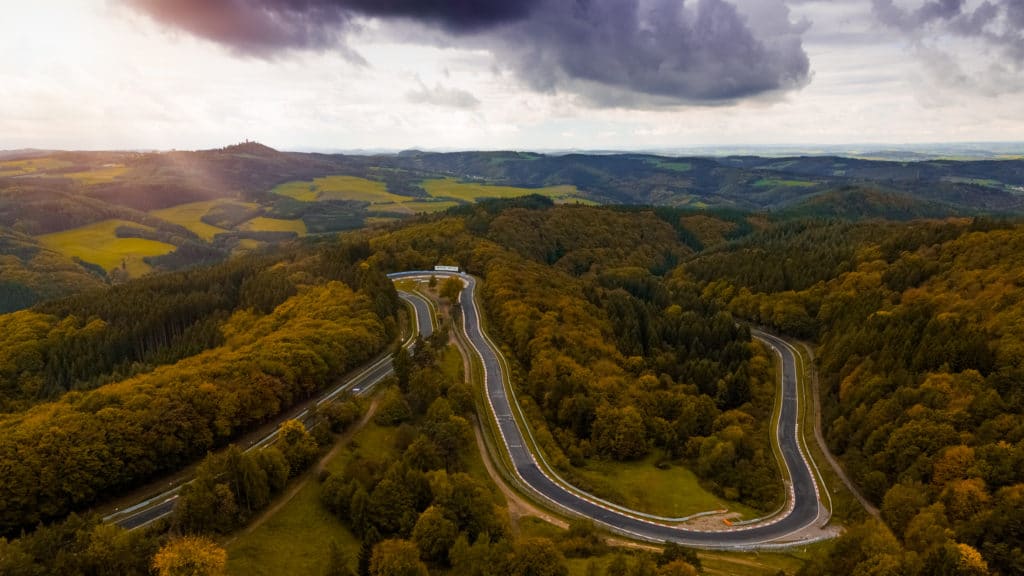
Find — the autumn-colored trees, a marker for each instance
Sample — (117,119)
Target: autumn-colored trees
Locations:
(396,558)
(920,359)
(413,509)
(191,556)
(66,454)
(616,350)
(918,325)
(79,546)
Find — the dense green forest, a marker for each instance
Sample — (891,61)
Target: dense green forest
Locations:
(620,328)
(109,216)
(920,360)
(30,273)
(920,357)
(107,389)
(617,354)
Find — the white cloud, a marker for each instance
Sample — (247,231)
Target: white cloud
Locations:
(101,77)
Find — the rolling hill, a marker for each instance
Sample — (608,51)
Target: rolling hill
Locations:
(101,211)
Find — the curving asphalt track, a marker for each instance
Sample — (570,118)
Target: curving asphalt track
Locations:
(803,507)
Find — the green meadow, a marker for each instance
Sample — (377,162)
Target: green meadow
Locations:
(264,224)
(97,175)
(471,192)
(31,166)
(779,182)
(673,165)
(673,492)
(98,243)
(412,207)
(338,188)
(190,216)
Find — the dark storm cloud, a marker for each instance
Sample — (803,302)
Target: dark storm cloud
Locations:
(262,27)
(256,27)
(628,52)
(610,52)
(999,23)
(454,15)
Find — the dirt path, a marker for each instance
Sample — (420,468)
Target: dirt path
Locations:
(314,472)
(518,506)
(820,437)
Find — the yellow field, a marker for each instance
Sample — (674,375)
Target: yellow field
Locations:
(469,192)
(375,220)
(339,188)
(262,224)
(412,207)
(32,165)
(188,215)
(248,245)
(97,176)
(98,243)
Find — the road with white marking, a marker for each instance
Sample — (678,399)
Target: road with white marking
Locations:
(803,509)
(156,507)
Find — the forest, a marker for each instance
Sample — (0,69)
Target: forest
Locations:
(627,333)
(106,390)
(105,217)
(920,362)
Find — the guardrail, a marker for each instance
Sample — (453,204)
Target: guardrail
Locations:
(544,468)
(376,372)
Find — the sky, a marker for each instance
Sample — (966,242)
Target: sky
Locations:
(502,74)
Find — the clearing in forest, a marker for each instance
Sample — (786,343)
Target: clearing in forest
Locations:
(339,188)
(99,244)
(471,192)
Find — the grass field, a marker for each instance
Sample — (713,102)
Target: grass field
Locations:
(97,176)
(674,166)
(378,220)
(413,207)
(248,245)
(471,192)
(98,243)
(751,563)
(188,215)
(779,182)
(979,181)
(339,188)
(712,563)
(642,486)
(263,224)
(296,540)
(31,166)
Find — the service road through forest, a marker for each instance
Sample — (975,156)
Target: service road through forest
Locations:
(162,505)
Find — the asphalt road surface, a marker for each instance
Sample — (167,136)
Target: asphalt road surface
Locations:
(803,502)
(803,506)
(161,505)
